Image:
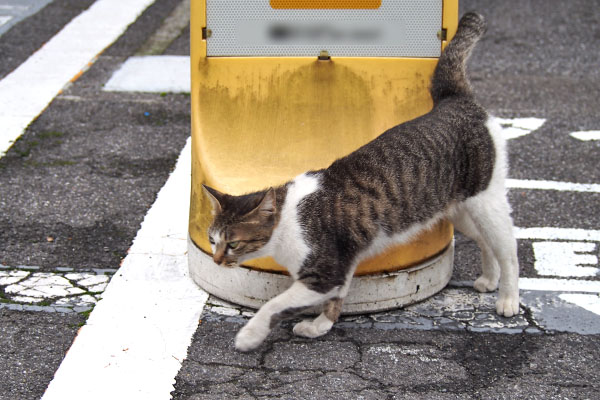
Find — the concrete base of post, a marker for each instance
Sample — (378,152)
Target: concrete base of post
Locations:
(368,293)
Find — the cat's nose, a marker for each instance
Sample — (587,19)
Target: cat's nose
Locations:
(219,257)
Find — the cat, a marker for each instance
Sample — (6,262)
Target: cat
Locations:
(449,163)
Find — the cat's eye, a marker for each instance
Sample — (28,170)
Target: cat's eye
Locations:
(211,240)
(233,245)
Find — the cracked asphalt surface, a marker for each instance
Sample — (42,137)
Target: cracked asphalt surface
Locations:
(354,362)
(86,171)
(451,346)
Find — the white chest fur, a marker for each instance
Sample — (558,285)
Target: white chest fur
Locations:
(287,244)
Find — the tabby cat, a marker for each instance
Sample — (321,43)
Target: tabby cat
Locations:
(449,163)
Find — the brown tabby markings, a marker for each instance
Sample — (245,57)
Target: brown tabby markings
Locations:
(249,220)
(333,309)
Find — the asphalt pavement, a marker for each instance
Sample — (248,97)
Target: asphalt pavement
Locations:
(77,184)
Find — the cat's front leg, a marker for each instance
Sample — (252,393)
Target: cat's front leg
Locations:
(251,336)
(294,300)
(319,326)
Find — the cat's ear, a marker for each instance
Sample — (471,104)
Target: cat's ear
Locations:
(215,197)
(267,204)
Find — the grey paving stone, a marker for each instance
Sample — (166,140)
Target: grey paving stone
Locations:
(551,313)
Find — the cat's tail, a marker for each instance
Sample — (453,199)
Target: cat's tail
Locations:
(449,77)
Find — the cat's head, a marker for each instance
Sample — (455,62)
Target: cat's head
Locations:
(242,225)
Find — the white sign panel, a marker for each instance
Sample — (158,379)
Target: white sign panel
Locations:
(407,28)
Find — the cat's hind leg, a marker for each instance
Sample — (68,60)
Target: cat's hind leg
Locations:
(323,323)
(490,275)
(490,213)
(294,300)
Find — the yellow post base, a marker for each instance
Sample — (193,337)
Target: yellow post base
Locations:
(259,122)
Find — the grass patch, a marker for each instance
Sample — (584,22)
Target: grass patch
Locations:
(86,315)
(23,145)
(55,163)
(50,134)
(6,300)
(61,163)
(24,150)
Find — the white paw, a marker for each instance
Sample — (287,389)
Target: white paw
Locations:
(312,329)
(507,305)
(483,284)
(249,338)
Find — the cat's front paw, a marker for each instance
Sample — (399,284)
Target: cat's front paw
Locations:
(249,338)
(507,306)
(312,329)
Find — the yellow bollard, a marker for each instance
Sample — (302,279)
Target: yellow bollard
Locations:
(259,121)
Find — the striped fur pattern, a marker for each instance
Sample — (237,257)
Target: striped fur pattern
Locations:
(449,163)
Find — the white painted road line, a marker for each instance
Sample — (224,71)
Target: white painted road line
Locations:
(586,135)
(513,128)
(28,90)
(4,19)
(552,185)
(548,233)
(590,302)
(137,336)
(152,74)
(565,259)
(559,285)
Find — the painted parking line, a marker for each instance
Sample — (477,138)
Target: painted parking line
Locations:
(560,256)
(513,128)
(566,259)
(137,336)
(552,185)
(559,285)
(4,19)
(145,74)
(586,135)
(590,302)
(28,90)
(549,233)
